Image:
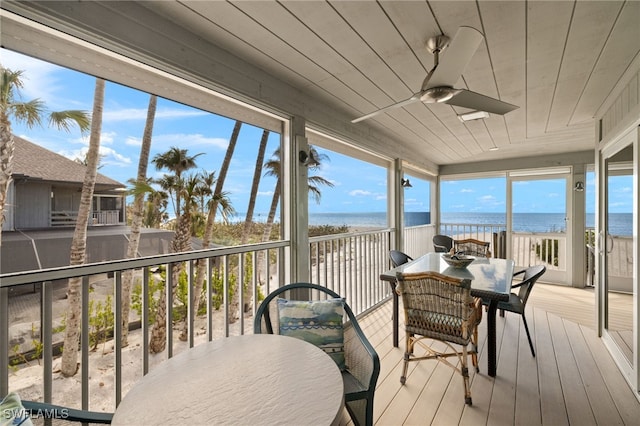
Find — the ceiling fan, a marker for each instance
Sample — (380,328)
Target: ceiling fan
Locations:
(437,86)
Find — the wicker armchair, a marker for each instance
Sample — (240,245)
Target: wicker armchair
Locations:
(442,243)
(441,308)
(363,364)
(472,247)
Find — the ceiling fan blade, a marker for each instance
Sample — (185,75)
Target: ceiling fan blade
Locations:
(473,100)
(455,58)
(411,100)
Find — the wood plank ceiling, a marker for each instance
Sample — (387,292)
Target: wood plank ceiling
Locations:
(558,61)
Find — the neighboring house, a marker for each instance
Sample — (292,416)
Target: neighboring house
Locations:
(46,188)
(42,207)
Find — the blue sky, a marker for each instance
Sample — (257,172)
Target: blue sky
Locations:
(358,186)
(488,195)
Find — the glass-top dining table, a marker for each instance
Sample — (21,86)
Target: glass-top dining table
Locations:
(490,280)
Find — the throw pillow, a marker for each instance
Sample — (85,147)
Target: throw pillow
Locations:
(318,322)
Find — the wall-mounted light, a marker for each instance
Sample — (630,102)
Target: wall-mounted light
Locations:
(579,186)
(306,159)
(405,183)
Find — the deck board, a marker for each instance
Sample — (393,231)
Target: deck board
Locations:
(572,379)
(600,401)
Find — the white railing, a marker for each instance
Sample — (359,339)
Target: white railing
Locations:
(418,240)
(526,248)
(106,217)
(69,218)
(549,249)
(479,231)
(41,333)
(351,264)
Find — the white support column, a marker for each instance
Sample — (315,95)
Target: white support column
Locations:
(299,202)
(396,197)
(578,273)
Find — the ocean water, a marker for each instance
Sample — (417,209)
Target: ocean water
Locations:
(620,224)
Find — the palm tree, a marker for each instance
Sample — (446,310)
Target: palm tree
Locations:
(181,243)
(155,210)
(177,161)
(79,243)
(273,168)
(30,113)
(137,215)
(248,221)
(223,204)
(315,181)
(225,165)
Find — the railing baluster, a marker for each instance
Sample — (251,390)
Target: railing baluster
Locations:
(168,309)
(209,299)
(240,290)
(46,336)
(226,290)
(4,340)
(117,335)
(145,320)
(84,343)
(191,309)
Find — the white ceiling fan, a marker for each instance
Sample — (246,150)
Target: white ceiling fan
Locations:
(437,86)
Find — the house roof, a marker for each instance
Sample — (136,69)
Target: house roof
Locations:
(33,162)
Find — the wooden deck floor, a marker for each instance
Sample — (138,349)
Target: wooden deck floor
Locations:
(572,380)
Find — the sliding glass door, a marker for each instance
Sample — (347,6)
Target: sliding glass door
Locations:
(539,221)
(618,252)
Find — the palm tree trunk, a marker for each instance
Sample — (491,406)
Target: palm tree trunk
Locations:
(69,364)
(6,163)
(266,236)
(248,221)
(211,215)
(136,220)
(181,242)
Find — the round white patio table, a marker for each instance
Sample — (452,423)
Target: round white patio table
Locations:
(254,379)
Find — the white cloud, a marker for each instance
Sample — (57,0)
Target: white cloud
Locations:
(466,190)
(38,77)
(359,193)
(133,141)
(486,198)
(163,142)
(111,157)
(623,189)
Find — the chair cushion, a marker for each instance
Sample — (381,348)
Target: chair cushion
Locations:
(318,322)
(12,412)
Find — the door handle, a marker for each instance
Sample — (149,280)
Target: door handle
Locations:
(600,243)
(609,238)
